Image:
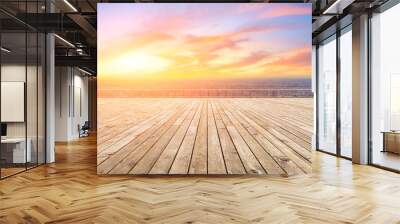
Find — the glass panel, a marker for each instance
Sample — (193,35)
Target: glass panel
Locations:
(41,98)
(32,89)
(327,96)
(346,93)
(32,95)
(13,88)
(23,90)
(385,115)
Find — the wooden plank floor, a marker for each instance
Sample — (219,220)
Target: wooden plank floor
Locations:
(217,136)
(70,191)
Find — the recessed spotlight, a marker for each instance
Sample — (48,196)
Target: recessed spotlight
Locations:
(70,5)
(64,40)
(5,50)
(84,71)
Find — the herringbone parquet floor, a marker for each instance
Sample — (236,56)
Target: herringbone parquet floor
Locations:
(69,191)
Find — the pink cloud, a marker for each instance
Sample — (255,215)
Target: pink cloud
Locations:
(247,8)
(173,23)
(286,10)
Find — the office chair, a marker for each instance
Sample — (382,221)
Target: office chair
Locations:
(84,130)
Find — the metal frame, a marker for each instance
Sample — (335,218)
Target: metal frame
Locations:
(316,97)
(317,100)
(389,4)
(338,152)
(369,78)
(338,98)
(44,70)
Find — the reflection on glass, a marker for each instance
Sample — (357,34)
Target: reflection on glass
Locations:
(31,101)
(14,150)
(41,98)
(385,114)
(327,96)
(22,92)
(346,93)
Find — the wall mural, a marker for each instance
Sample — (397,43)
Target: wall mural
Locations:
(204,89)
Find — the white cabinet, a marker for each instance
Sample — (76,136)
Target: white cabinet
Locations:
(19,155)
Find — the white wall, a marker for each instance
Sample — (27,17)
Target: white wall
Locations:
(70,84)
(62,82)
(33,127)
(16,73)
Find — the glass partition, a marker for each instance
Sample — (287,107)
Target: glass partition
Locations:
(14,153)
(385,89)
(346,92)
(41,97)
(22,88)
(31,99)
(327,95)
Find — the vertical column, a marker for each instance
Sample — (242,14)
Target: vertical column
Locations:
(338,91)
(50,92)
(360,89)
(92,101)
(314,90)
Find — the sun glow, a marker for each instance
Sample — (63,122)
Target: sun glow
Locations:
(135,63)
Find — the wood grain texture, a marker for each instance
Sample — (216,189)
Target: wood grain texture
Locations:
(215,136)
(70,191)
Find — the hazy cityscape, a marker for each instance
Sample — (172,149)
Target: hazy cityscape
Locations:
(278,87)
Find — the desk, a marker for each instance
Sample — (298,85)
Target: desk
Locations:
(391,141)
(15,148)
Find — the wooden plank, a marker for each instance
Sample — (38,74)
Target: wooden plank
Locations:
(232,160)
(249,161)
(143,147)
(198,163)
(113,159)
(119,140)
(290,143)
(123,114)
(164,163)
(269,164)
(145,164)
(273,113)
(125,159)
(284,161)
(216,163)
(302,163)
(283,112)
(219,136)
(182,159)
(283,125)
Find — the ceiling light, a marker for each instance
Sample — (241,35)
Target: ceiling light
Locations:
(84,71)
(64,40)
(337,7)
(5,50)
(331,7)
(70,5)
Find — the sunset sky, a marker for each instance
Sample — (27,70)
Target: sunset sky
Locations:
(152,43)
